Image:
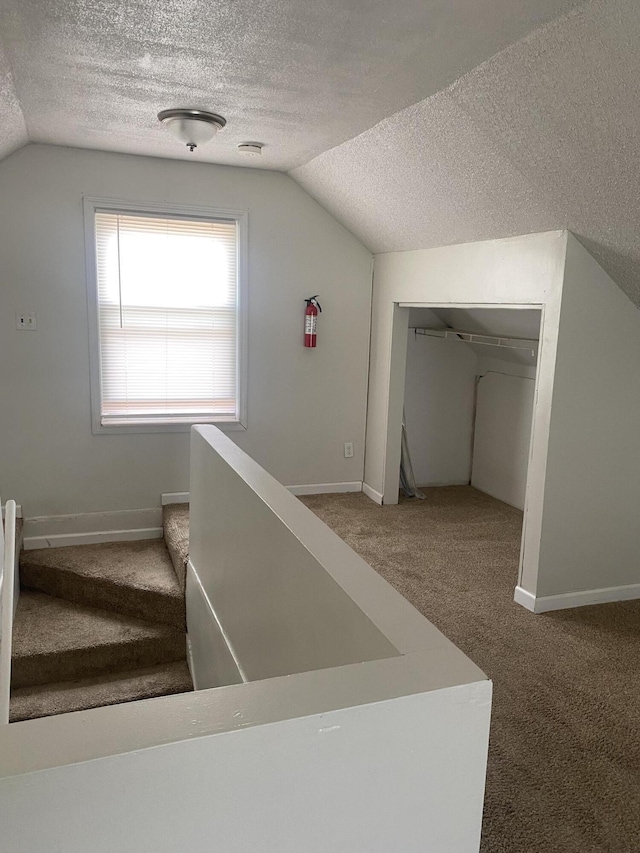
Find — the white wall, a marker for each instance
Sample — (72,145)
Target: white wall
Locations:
(302,404)
(438,400)
(591,529)
(525,271)
(502,436)
(496,363)
(504,417)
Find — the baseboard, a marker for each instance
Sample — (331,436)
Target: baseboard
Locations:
(442,485)
(526,599)
(304,489)
(583,598)
(90,528)
(175,498)
(94,537)
(371,493)
(326,488)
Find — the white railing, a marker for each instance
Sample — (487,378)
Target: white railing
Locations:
(7,576)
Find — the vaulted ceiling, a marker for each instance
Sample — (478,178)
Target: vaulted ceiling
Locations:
(301,77)
(416,122)
(544,135)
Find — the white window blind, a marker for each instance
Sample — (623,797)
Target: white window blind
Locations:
(167,318)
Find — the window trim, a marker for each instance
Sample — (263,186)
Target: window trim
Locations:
(93,203)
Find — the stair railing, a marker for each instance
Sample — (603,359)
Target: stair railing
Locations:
(7,576)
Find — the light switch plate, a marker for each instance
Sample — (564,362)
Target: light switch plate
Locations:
(26,322)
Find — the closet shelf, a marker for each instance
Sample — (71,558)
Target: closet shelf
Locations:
(485,340)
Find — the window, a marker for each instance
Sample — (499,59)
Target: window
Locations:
(166,295)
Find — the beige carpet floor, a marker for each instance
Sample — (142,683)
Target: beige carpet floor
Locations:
(564,759)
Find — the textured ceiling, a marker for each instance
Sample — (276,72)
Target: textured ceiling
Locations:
(301,77)
(13,133)
(421,122)
(545,135)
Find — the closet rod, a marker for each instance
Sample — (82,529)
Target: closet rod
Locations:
(485,340)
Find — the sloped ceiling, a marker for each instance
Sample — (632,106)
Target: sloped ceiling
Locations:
(418,123)
(544,135)
(299,76)
(13,132)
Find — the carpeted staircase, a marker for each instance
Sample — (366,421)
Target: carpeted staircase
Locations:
(100,624)
(175,520)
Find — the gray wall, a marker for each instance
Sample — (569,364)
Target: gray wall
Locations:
(302,404)
(590,531)
(438,401)
(502,438)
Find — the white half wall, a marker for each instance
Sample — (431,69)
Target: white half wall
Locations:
(504,413)
(438,401)
(330,765)
(591,529)
(303,404)
(280,610)
(383,747)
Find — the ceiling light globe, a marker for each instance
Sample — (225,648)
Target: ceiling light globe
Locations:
(192,127)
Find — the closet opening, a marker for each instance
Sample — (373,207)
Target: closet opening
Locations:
(469,397)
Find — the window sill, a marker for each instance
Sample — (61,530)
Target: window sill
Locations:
(150,429)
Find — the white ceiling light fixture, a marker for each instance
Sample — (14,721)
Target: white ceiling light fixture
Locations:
(251,149)
(192,127)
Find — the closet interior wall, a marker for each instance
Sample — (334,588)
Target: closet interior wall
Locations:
(469,407)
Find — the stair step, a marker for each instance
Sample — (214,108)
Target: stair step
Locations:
(175,521)
(27,703)
(134,578)
(58,640)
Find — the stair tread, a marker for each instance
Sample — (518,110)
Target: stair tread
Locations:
(134,578)
(45,625)
(143,565)
(127,686)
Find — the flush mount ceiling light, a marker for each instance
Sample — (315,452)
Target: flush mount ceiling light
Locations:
(193,127)
(252,149)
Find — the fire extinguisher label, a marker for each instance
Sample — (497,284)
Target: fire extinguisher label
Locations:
(310,324)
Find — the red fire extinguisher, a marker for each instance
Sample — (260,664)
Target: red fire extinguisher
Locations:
(311,320)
